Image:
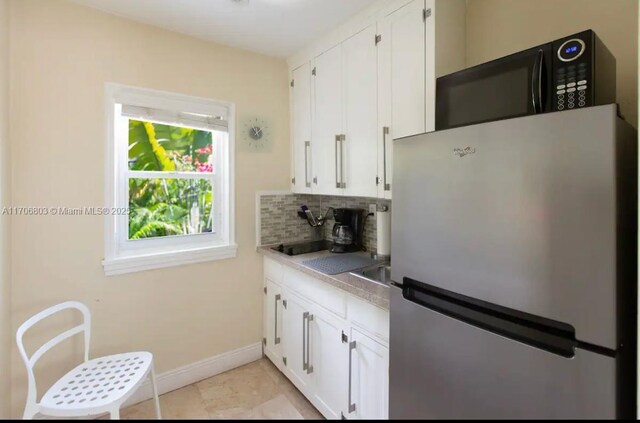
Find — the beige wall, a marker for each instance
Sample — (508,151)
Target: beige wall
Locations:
(62,54)
(499,27)
(5,294)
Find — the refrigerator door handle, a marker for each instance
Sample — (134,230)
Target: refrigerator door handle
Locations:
(545,334)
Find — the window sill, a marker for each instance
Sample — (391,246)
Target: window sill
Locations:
(122,265)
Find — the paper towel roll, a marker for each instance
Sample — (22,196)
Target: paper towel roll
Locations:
(383,219)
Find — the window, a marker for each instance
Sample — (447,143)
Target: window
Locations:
(169,180)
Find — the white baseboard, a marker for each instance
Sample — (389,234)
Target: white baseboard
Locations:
(195,372)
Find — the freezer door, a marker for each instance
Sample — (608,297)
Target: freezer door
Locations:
(519,213)
(442,368)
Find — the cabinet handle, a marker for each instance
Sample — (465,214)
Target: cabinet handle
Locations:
(277,338)
(343,138)
(309,366)
(337,163)
(307,146)
(305,315)
(352,346)
(385,132)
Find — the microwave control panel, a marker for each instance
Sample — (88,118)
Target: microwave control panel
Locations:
(571,74)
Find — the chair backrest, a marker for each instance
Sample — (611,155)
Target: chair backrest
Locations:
(31,361)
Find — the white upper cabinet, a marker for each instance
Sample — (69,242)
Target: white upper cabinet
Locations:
(405,82)
(375,82)
(385,116)
(403,34)
(301,128)
(328,154)
(345,118)
(360,89)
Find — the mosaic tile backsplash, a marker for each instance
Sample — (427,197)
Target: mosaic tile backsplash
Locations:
(279,221)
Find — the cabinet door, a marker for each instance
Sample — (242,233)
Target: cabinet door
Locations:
(404,30)
(328,358)
(359,57)
(328,155)
(369,371)
(385,119)
(294,336)
(273,322)
(301,128)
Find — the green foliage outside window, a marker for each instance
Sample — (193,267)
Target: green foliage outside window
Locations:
(169,206)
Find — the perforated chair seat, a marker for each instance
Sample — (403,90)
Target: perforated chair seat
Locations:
(96,386)
(96,383)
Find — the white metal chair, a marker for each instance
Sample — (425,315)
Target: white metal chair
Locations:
(96,386)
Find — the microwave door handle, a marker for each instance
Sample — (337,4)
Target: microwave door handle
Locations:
(536,82)
(541,79)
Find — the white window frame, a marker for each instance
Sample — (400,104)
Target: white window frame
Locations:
(125,256)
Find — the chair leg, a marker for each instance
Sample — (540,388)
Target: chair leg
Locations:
(28,415)
(115,414)
(155,393)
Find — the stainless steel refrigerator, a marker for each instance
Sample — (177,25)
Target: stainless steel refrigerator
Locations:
(514,262)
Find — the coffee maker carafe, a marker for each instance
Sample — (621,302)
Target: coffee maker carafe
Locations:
(348,230)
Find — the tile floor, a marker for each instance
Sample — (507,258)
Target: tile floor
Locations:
(254,391)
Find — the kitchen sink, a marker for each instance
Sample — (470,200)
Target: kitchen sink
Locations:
(380,273)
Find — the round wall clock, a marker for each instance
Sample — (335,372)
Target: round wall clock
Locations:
(256,133)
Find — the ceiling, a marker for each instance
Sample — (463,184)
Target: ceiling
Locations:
(272,27)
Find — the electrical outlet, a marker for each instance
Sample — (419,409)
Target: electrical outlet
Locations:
(372,208)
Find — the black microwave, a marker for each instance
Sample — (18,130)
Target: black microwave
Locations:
(570,73)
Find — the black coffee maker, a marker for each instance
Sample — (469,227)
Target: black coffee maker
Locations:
(348,230)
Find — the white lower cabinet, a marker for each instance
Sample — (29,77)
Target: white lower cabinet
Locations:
(294,351)
(272,320)
(369,376)
(333,347)
(327,353)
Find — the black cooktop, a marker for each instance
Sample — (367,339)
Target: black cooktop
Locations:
(303,247)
